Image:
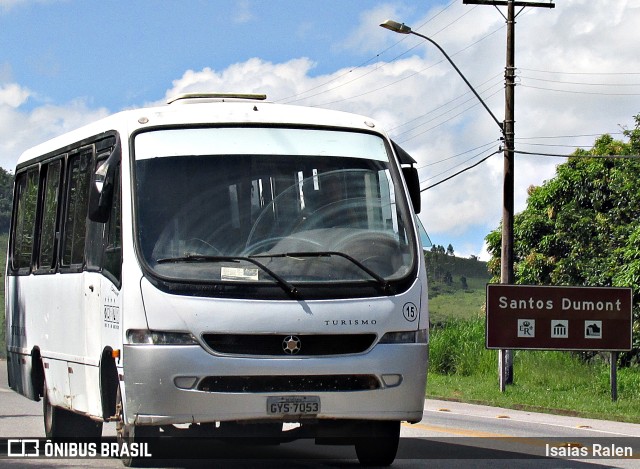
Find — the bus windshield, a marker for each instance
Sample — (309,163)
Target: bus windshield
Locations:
(281,206)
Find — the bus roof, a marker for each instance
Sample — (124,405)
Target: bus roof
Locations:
(198,110)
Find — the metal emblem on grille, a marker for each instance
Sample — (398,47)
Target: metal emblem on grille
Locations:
(291,345)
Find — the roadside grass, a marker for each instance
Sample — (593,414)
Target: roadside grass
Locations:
(462,369)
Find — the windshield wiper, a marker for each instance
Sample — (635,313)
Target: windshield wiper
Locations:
(383,283)
(189,257)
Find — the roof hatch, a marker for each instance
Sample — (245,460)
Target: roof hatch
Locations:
(221,97)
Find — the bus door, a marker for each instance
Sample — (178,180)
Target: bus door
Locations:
(102,287)
(80,306)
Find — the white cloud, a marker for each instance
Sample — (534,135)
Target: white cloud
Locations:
(420,90)
(6,5)
(366,38)
(243,13)
(13,95)
(252,76)
(21,129)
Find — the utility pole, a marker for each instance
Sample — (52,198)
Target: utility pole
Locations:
(505,358)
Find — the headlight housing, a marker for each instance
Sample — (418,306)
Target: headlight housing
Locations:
(421,336)
(147,337)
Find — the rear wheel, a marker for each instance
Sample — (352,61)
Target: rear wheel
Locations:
(379,443)
(62,423)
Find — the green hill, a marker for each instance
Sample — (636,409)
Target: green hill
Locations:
(456,286)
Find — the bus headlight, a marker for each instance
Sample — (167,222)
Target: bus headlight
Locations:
(406,337)
(145,336)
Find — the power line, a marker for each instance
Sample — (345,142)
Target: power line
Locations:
(394,82)
(374,90)
(450,24)
(559,155)
(552,145)
(582,83)
(540,137)
(570,136)
(437,14)
(347,73)
(578,73)
(447,103)
(462,171)
(451,168)
(455,156)
(446,120)
(362,65)
(523,153)
(444,113)
(580,92)
(378,68)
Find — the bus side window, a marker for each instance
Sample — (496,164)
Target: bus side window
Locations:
(25,221)
(77,203)
(48,237)
(112,258)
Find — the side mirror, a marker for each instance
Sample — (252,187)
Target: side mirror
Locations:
(413,184)
(101,195)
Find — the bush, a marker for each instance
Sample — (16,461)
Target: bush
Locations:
(457,346)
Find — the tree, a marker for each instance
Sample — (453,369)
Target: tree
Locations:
(450,250)
(448,278)
(437,248)
(6,199)
(583,226)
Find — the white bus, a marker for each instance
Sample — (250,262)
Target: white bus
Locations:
(223,262)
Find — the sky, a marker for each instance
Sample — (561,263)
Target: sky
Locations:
(65,63)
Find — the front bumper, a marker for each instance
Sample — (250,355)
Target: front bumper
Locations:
(153,374)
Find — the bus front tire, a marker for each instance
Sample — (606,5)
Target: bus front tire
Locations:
(127,434)
(379,445)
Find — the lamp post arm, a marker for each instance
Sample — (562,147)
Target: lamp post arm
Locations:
(461,76)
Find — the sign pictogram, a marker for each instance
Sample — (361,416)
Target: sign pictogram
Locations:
(593,329)
(527,328)
(559,329)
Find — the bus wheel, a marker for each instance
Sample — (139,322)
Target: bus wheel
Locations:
(56,419)
(127,434)
(62,423)
(379,444)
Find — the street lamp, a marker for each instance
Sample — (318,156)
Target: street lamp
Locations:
(506,128)
(404,29)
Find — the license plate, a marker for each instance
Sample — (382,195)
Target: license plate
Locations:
(293,405)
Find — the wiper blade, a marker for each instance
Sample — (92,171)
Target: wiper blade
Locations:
(286,286)
(381,281)
(189,257)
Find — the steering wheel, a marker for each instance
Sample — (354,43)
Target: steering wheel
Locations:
(263,246)
(206,243)
(378,251)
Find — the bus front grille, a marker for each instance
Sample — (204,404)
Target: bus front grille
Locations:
(310,383)
(279,345)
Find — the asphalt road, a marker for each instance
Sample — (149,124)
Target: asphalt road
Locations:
(450,435)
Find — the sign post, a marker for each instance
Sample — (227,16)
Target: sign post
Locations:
(613,376)
(560,318)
